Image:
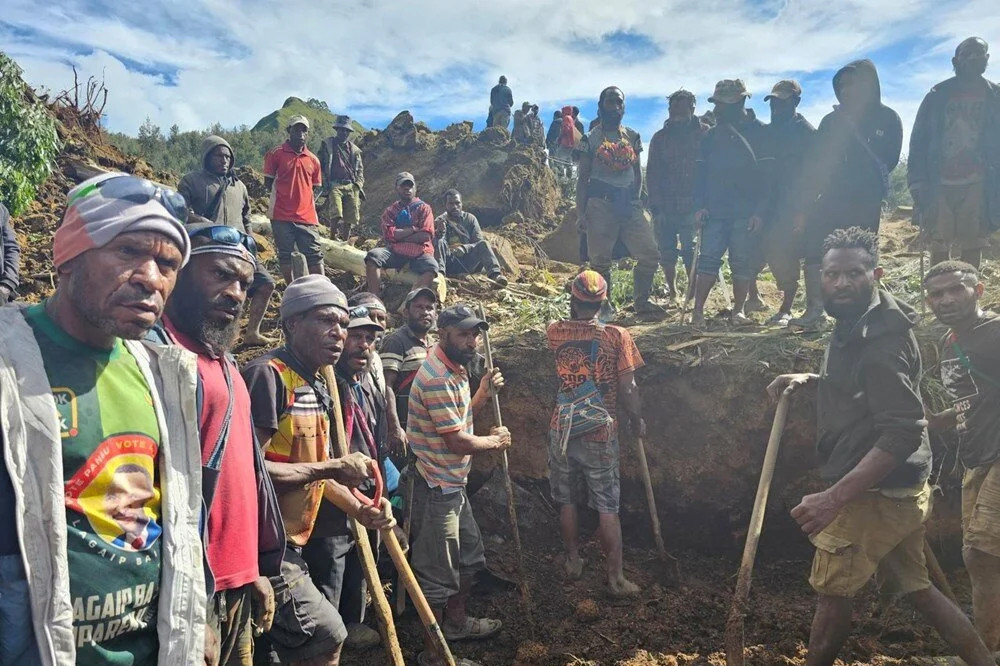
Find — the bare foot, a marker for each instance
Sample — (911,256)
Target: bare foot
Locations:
(255,339)
(622,587)
(574,568)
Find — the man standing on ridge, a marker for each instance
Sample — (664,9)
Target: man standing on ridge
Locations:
(293,175)
(954,163)
(215,195)
(790,138)
(608,200)
(873,450)
(343,179)
(846,174)
(732,191)
(670,179)
(970,373)
(501,102)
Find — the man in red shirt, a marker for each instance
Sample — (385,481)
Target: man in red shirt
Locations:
(245,538)
(293,175)
(408,231)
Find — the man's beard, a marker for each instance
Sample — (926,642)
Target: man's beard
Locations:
(217,335)
(851,311)
(459,355)
(611,117)
(84,297)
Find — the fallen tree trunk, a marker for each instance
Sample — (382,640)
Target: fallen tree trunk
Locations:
(345,257)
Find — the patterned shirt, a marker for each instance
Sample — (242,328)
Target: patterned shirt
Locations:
(415,215)
(617,355)
(440,403)
(403,353)
(285,403)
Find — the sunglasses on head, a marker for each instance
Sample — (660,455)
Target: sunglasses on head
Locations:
(359,312)
(138,191)
(228,236)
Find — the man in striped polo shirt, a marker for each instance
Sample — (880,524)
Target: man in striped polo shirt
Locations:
(447,548)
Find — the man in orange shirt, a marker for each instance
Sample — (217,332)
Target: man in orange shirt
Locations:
(293,175)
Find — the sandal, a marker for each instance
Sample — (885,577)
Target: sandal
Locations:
(475,629)
(425,659)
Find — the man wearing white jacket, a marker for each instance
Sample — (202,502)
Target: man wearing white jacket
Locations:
(100,486)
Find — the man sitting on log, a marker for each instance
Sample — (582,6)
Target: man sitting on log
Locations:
(461,248)
(873,448)
(408,231)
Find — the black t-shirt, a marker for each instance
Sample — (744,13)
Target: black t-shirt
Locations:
(973,384)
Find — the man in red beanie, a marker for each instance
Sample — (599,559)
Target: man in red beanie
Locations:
(596,364)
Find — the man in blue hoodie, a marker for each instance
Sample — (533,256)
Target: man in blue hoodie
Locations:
(872,447)
(846,175)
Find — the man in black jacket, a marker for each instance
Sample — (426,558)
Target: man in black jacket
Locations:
(954,162)
(846,175)
(501,102)
(873,449)
(791,136)
(10,261)
(732,191)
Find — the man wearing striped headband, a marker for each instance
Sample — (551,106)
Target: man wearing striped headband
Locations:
(100,441)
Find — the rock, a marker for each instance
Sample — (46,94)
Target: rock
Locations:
(530,652)
(563,244)
(587,611)
(401,132)
(504,250)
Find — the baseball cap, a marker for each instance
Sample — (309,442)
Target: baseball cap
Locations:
(729,91)
(785,89)
(461,316)
(420,291)
(361,316)
(590,287)
(404,176)
(343,122)
(298,120)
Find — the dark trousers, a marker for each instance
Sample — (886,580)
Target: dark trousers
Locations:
(466,259)
(335,569)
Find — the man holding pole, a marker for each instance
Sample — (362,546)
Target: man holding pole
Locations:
(596,364)
(290,404)
(970,373)
(447,548)
(873,448)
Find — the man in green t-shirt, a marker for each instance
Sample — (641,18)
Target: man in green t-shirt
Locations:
(120,580)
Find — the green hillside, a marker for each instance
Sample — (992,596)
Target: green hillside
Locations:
(319,115)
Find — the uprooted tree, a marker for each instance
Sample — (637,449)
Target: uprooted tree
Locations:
(29,141)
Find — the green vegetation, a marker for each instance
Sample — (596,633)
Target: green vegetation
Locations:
(29,141)
(180,152)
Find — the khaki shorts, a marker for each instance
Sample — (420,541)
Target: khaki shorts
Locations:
(344,202)
(960,218)
(981,508)
(876,536)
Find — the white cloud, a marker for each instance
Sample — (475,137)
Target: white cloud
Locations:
(234,61)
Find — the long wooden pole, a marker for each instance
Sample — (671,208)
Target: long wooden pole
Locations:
(737,611)
(385,622)
(522,583)
(650,499)
(692,275)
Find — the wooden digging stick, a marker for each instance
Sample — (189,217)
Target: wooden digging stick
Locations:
(651,500)
(689,291)
(737,611)
(407,521)
(395,552)
(382,610)
(522,583)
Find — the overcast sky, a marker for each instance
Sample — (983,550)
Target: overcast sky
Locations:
(195,62)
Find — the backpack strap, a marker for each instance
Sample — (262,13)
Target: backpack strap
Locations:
(963,359)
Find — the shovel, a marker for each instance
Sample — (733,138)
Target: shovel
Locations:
(737,611)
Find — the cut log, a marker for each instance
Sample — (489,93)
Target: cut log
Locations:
(345,257)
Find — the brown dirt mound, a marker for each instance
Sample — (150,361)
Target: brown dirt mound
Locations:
(497,178)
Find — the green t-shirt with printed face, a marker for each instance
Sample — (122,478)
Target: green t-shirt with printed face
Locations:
(110,444)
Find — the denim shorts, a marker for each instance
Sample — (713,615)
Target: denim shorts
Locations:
(720,235)
(588,470)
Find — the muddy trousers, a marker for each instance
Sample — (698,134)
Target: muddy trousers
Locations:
(606,225)
(465,259)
